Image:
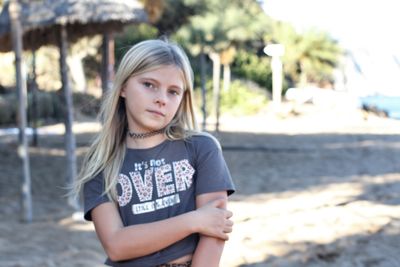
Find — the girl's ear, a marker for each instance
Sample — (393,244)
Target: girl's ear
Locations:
(122,92)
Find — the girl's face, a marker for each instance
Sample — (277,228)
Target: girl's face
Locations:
(153,98)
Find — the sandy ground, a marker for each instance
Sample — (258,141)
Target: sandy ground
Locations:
(317,189)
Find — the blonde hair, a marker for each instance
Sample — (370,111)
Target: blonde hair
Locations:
(107,152)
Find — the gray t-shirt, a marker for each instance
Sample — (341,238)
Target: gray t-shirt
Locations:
(162,182)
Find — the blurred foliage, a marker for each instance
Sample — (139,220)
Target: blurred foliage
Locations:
(8,109)
(236,30)
(225,23)
(169,15)
(49,107)
(7,74)
(254,68)
(86,104)
(47,63)
(219,32)
(310,57)
(130,36)
(243,98)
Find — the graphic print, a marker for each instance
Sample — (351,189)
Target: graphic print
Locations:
(165,179)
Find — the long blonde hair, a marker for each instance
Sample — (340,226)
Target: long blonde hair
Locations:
(107,152)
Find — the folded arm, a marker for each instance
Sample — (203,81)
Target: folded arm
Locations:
(209,249)
(122,243)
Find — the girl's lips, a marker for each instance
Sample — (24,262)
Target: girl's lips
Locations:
(156,112)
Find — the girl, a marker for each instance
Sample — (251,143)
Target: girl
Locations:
(155,189)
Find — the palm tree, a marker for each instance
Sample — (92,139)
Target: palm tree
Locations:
(224,27)
(309,57)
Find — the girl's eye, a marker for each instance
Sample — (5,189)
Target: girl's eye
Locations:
(149,85)
(174,92)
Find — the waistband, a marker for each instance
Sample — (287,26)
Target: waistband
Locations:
(186,264)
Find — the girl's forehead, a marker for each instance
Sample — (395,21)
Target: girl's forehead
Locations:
(160,68)
(162,72)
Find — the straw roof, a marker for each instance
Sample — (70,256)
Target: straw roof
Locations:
(41,18)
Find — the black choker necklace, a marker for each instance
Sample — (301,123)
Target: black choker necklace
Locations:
(144,135)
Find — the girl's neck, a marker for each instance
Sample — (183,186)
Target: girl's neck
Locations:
(147,142)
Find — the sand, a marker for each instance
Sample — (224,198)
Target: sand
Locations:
(315,189)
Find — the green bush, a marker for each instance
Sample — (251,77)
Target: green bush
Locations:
(8,109)
(252,67)
(86,104)
(242,98)
(49,107)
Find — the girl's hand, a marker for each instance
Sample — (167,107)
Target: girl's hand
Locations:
(213,220)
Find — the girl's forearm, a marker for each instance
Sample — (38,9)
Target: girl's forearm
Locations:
(134,241)
(208,252)
(143,239)
(209,249)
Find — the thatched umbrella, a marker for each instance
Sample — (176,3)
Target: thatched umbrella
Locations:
(56,21)
(42,19)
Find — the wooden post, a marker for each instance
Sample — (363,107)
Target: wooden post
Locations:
(34,108)
(216,59)
(16,31)
(203,87)
(107,62)
(70,145)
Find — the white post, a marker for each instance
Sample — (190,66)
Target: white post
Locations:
(276,65)
(276,51)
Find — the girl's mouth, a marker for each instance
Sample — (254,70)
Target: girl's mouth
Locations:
(159,113)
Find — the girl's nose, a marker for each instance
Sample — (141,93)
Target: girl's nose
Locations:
(160,98)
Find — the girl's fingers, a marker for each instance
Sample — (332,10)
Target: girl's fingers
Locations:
(224,236)
(218,203)
(228,214)
(228,230)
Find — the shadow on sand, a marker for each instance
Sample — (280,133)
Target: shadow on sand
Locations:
(260,164)
(364,250)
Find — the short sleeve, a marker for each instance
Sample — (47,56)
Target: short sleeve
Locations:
(93,195)
(212,173)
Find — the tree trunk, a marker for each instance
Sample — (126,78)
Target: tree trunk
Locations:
(216,59)
(70,145)
(203,88)
(34,107)
(303,81)
(16,31)
(77,73)
(227,77)
(107,63)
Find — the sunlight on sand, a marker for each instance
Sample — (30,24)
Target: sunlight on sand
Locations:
(76,223)
(280,225)
(60,152)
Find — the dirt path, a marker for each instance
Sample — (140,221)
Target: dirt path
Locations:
(316,190)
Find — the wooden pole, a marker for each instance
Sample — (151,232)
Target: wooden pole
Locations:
(203,87)
(16,31)
(216,59)
(70,145)
(34,108)
(107,63)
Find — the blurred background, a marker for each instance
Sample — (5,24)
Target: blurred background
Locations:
(303,95)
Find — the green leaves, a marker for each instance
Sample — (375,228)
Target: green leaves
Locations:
(310,57)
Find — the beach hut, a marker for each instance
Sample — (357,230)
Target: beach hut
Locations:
(26,24)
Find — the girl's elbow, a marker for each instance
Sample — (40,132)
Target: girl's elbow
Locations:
(113,251)
(112,254)
(117,251)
